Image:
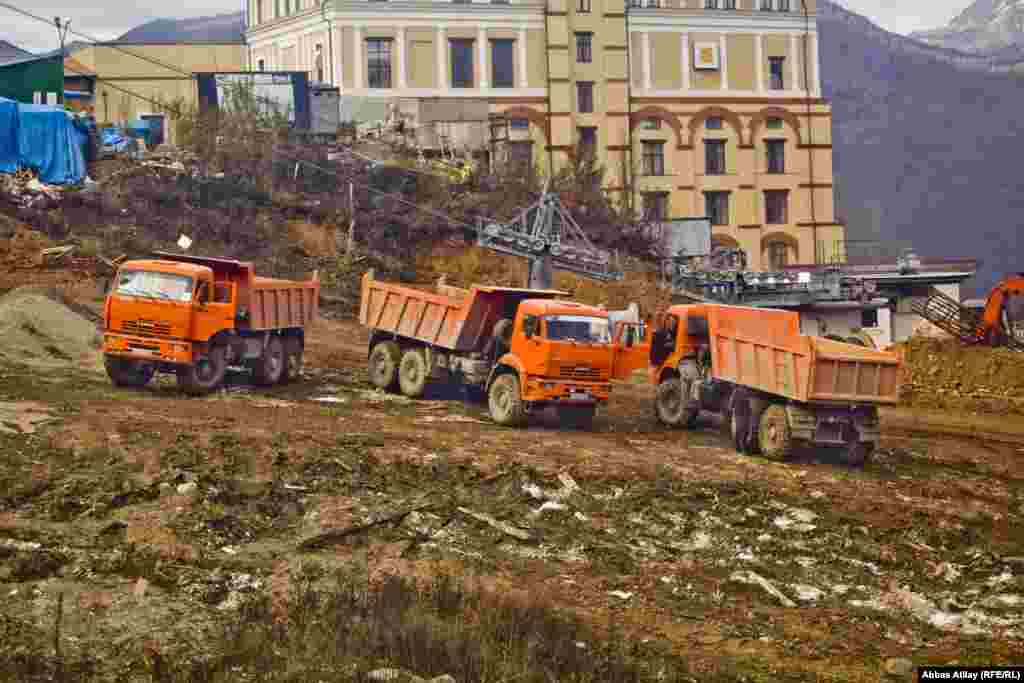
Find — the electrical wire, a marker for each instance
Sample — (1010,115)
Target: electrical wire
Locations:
(93,40)
(397,198)
(155,103)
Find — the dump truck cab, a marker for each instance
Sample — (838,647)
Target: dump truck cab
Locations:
(195,316)
(180,301)
(560,354)
(522,348)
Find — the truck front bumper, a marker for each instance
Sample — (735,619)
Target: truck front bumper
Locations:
(148,348)
(540,390)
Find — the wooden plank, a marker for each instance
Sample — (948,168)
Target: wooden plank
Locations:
(856,378)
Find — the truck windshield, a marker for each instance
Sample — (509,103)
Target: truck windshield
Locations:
(579,328)
(154,285)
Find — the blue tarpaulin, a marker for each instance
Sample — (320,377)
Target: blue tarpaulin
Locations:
(42,138)
(8,136)
(114,139)
(49,143)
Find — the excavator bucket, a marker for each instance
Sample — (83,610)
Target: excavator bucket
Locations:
(948,315)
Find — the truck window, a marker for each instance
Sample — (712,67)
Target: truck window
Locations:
(579,328)
(154,285)
(222,293)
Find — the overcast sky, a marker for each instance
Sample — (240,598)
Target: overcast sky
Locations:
(107,19)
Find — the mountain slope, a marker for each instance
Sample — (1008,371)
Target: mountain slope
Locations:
(10,52)
(936,147)
(987,27)
(222,28)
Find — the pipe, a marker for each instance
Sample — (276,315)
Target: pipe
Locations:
(550,120)
(631,197)
(330,39)
(810,129)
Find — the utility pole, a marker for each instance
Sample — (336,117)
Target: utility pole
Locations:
(62,34)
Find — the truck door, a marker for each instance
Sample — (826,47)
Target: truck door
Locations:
(631,346)
(214,307)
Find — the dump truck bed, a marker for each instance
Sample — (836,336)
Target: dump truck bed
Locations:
(276,304)
(451,318)
(763,349)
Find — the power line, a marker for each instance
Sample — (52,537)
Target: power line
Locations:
(94,40)
(136,95)
(400,200)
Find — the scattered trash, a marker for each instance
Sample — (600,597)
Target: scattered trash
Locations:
(796,519)
(808,593)
(548,506)
(450,418)
(749,577)
(621,595)
(330,399)
(188,489)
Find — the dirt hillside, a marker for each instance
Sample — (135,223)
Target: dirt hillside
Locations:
(40,332)
(946,374)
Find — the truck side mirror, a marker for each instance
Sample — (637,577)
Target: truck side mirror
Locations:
(530,327)
(203,295)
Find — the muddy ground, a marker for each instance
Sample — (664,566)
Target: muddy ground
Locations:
(152,518)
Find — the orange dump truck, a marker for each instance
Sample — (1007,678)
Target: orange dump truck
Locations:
(195,316)
(777,387)
(525,348)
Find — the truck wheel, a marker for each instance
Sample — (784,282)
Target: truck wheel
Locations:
(292,367)
(740,425)
(269,368)
(506,402)
(128,373)
(577,417)
(774,434)
(384,365)
(858,453)
(412,373)
(206,374)
(673,405)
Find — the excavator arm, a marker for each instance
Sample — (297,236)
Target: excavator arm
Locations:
(995,326)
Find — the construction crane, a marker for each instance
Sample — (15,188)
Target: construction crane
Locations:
(992,327)
(547,236)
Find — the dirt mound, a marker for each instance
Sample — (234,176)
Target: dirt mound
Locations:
(41,332)
(946,374)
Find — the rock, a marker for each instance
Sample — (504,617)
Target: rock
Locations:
(1015,561)
(621,595)
(898,666)
(188,489)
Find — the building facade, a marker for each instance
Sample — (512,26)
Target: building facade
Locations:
(130,81)
(694,107)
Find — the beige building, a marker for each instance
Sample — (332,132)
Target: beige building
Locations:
(710,108)
(129,81)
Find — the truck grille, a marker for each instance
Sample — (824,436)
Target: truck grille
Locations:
(146,327)
(579,372)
